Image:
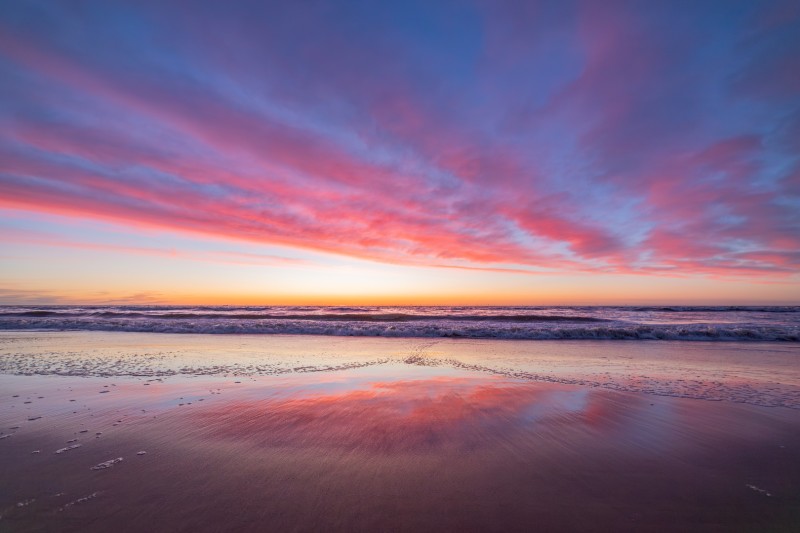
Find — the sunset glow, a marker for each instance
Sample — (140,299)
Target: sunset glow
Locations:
(400,153)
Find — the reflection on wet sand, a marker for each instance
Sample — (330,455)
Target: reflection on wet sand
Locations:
(403,416)
(395,446)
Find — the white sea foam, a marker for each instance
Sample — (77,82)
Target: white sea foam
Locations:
(530,323)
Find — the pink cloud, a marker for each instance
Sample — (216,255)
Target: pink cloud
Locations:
(619,162)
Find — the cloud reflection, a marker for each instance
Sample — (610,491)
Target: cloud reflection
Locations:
(406,416)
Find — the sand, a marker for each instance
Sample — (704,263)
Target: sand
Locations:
(394,434)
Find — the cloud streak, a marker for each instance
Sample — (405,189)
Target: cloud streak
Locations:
(576,137)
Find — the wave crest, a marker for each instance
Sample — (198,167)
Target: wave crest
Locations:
(442,328)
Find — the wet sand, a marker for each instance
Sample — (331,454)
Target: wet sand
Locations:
(391,434)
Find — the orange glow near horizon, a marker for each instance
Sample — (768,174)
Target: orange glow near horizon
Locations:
(68,260)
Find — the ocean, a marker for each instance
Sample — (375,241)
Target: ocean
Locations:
(686,323)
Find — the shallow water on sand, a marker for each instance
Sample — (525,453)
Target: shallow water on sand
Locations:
(306,433)
(756,373)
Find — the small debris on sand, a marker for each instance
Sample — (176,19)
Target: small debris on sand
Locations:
(71,441)
(5,436)
(36,451)
(68,448)
(84,431)
(141,452)
(107,464)
(32,418)
(25,503)
(103,391)
(80,500)
(759,490)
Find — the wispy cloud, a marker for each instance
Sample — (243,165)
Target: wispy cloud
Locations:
(565,137)
(51,240)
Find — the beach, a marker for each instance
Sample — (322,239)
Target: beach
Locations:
(301,433)
(399,266)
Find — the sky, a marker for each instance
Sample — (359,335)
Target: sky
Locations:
(415,152)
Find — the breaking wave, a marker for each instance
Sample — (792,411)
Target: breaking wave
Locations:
(717,332)
(618,323)
(334,317)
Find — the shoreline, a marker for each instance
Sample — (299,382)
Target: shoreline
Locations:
(758,373)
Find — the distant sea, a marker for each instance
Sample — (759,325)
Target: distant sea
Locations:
(692,323)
